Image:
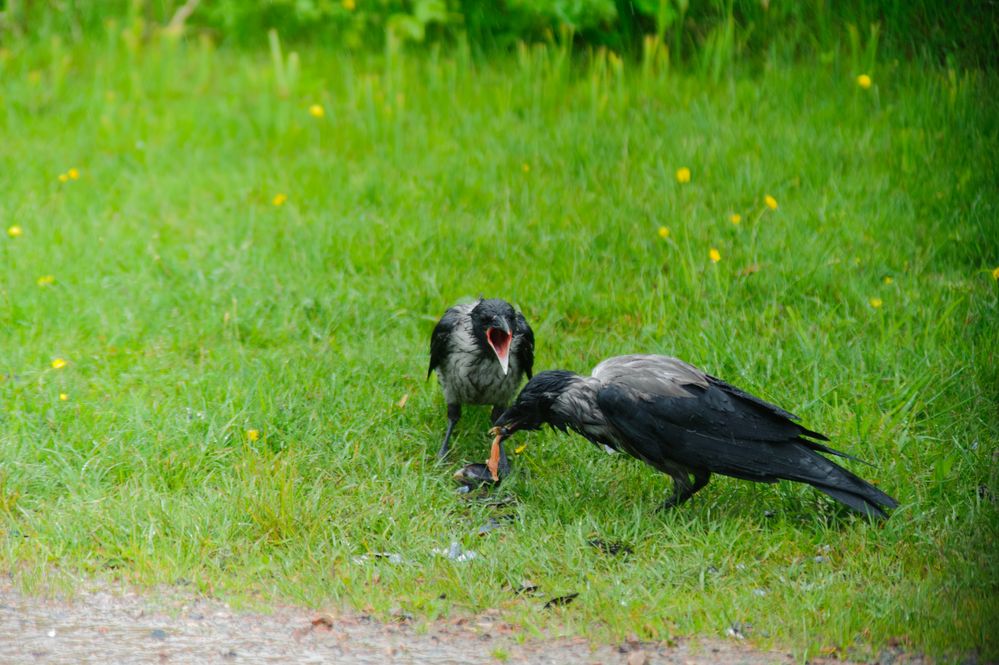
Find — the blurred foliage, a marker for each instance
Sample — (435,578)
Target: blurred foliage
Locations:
(707,32)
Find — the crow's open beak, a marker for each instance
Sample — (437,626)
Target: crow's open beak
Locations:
(499,339)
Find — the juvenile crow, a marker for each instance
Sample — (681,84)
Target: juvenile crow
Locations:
(685,423)
(481,353)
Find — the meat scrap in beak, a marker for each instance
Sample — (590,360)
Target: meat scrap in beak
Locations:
(499,339)
(494,454)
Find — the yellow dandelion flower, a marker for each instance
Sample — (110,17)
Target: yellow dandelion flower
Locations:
(73,173)
(864,81)
(663,232)
(349,5)
(15,231)
(279,199)
(317,111)
(876,302)
(888,280)
(63,397)
(46,280)
(770,201)
(735,218)
(525,167)
(63,177)
(995,273)
(715,255)
(252,434)
(58,363)
(519,449)
(683,175)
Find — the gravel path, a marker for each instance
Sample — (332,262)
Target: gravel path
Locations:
(101,626)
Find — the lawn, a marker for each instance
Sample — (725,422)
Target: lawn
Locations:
(219,277)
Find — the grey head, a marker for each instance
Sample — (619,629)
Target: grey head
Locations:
(535,406)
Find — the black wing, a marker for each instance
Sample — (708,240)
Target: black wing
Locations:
(439,347)
(708,428)
(725,432)
(773,411)
(525,352)
(750,416)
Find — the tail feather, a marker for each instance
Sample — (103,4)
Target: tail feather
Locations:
(861,504)
(832,451)
(844,486)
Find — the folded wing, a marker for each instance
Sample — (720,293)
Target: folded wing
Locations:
(669,413)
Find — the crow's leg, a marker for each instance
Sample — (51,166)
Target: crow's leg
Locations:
(497,412)
(701,478)
(453,414)
(683,489)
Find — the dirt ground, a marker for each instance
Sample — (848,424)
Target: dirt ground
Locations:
(106,626)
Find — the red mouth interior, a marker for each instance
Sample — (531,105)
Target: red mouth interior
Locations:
(500,341)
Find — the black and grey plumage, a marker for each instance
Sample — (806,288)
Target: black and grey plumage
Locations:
(687,424)
(481,352)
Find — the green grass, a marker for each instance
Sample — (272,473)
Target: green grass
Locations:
(191,309)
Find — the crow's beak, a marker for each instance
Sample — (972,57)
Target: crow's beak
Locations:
(499,339)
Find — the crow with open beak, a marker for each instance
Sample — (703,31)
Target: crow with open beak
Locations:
(481,352)
(686,424)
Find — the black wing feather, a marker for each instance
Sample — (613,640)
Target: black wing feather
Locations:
(525,352)
(742,394)
(775,412)
(439,347)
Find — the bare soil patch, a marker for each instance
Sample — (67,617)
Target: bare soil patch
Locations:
(111,626)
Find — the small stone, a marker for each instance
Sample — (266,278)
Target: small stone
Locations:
(456,553)
(638,658)
(323,623)
(158,634)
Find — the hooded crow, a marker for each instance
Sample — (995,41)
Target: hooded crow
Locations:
(687,424)
(481,352)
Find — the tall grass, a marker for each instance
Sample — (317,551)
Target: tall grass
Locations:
(191,309)
(702,33)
